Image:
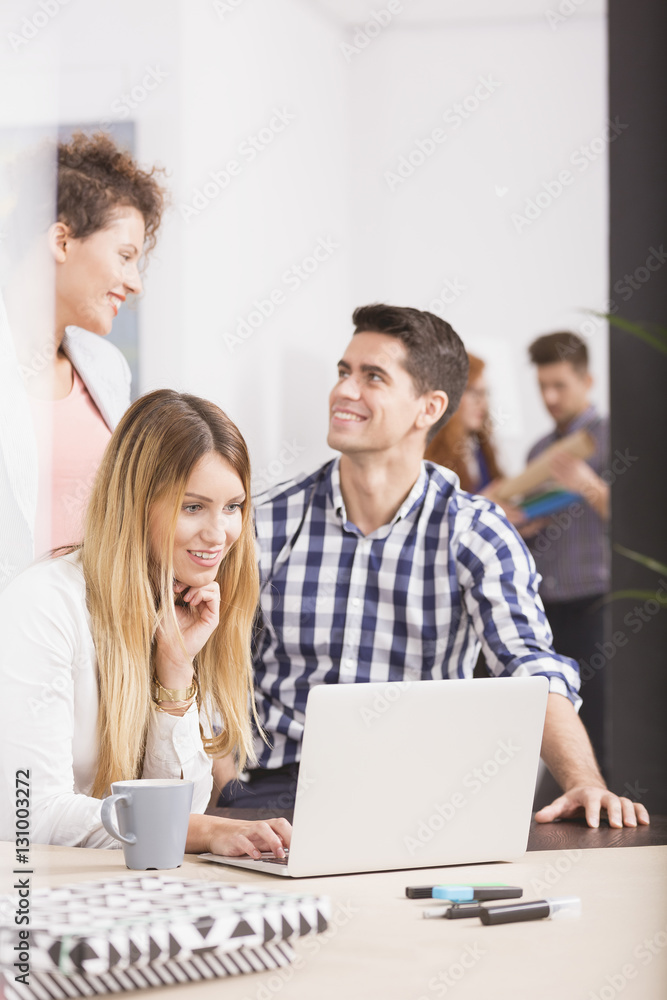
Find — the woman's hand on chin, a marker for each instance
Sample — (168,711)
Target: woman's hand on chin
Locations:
(177,644)
(199,615)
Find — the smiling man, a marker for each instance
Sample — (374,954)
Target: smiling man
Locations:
(377,567)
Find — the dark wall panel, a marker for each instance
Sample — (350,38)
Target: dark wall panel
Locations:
(637,652)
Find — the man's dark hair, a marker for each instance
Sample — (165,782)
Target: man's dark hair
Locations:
(435,355)
(562,346)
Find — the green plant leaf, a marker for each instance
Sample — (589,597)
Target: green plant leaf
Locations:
(656,338)
(647,561)
(643,595)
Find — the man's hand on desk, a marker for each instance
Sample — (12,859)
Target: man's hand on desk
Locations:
(567,752)
(590,800)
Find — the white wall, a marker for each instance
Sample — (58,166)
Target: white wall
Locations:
(456,217)
(224,71)
(265,66)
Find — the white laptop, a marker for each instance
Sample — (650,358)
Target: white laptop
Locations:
(413,775)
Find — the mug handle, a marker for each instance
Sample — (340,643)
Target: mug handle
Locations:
(107,822)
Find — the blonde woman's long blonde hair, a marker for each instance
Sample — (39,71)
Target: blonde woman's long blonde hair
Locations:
(148,460)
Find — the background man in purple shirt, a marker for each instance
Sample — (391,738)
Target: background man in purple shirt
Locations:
(571,548)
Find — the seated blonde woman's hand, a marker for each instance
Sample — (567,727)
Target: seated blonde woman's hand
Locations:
(178,643)
(199,615)
(234,837)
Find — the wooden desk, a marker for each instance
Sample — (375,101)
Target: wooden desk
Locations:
(379,948)
(574,833)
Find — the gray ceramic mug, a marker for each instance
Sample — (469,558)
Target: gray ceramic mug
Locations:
(153,815)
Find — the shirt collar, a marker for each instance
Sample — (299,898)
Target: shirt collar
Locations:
(413,500)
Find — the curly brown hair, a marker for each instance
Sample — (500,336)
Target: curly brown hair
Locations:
(95,177)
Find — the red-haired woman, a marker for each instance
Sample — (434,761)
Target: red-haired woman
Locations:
(465,443)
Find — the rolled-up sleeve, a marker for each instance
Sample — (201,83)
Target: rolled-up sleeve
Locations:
(49,711)
(500,591)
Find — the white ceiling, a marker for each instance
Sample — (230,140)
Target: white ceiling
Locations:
(423,12)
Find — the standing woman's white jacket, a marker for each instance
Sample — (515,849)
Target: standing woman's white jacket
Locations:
(49,708)
(106,375)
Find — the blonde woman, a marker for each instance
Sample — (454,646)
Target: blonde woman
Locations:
(114,653)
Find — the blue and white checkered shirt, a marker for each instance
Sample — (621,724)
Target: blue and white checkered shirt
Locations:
(413,599)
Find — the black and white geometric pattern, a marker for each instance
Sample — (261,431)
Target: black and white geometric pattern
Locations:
(149,922)
(56,986)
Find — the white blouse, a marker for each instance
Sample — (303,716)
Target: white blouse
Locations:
(48,713)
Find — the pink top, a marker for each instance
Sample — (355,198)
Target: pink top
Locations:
(71,438)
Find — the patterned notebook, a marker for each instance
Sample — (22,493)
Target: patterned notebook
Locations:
(100,937)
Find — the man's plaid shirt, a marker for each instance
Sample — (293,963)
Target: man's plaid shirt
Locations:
(414,599)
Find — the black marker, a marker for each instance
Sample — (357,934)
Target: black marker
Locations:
(537,910)
(455,912)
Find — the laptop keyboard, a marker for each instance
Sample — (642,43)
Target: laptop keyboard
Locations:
(268,856)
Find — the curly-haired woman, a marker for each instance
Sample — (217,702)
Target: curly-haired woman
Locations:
(70,386)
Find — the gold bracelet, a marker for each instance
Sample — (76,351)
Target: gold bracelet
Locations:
(180,705)
(160,693)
